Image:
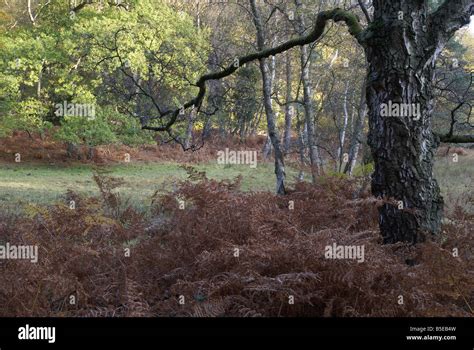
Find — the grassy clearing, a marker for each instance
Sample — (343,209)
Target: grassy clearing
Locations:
(456,180)
(45,184)
(25,183)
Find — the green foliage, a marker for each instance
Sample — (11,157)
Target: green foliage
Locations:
(108,126)
(90,131)
(127,130)
(363,169)
(155,45)
(64,58)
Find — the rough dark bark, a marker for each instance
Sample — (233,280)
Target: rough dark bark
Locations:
(402,45)
(403,146)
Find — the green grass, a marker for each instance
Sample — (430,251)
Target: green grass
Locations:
(44,184)
(25,183)
(456,180)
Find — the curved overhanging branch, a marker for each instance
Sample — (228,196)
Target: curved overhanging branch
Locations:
(336,15)
(84,3)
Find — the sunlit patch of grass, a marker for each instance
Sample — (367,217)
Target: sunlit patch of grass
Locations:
(456,180)
(23,183)
(45,184)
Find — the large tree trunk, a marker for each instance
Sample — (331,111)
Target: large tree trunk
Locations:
(267,100)
(403,146)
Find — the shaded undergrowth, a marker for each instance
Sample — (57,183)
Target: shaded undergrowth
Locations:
(211,250)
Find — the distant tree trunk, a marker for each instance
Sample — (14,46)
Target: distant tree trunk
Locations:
(301,145)
(288,106)
(189,130)
(30,13)
(272,71)
(342,135)
(222,128)
(267,98)
(90,152)
(40,80)
(72,150)
(215,99)
(241,127)
(206,132)
(308,99)
(256,121)
(357,133)
(267,148)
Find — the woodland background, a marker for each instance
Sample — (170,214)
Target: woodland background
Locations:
(128,249)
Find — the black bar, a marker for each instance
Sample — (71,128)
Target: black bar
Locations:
(357,331)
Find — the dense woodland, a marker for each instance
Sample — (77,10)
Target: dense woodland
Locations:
(316,87)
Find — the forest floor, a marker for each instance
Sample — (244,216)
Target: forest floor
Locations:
(234,249)
(45,173)
(46,184)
